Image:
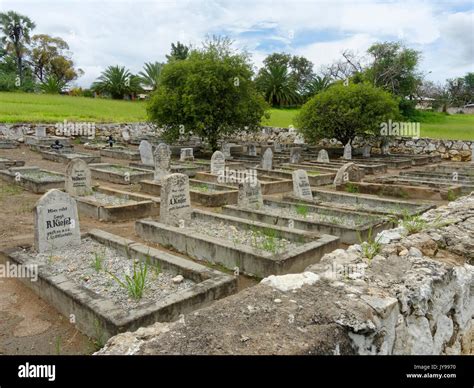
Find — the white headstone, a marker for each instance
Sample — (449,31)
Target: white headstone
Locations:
(385,149)
(349,172)
(186,154)
(347,152)
(323,156)
(226,150)
(299,139)
(125,135)
(366,151)
(301,186)
(40,132)
(175,201)
(78,178)
(56,222)
(267,159)
(146,153)
(250,193)
(217,163)
(162,161)
(252,150)
(472,152)
(295,154)
(277,146)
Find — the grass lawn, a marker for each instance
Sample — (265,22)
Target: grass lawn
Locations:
(28,107)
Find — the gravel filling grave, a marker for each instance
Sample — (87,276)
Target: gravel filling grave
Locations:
(42,176)
(121,170)
(111,200)
(385,209)
(309,215)
(77,264)
(268,241)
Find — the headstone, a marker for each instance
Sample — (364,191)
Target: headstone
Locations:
(40,132)
(186,155)
(277,146)
(217,163)
(323,156)
(175,201)
(349,172)
(472,152)
(56,222)
(125,135)
(347,152)
(301,186)
(299,139)
(250,193)
(252,150)
(78,178)
(267,159)
(162,161)
(366,151)
(226,150)
(146,153)
(385,149)
(295,154)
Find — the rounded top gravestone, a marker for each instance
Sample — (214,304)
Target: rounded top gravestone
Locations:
(217,163)
(162,161)
(323,156)
(267,159)
(146,153)
(175,200)
(78,178)
(301,186)
(56,222)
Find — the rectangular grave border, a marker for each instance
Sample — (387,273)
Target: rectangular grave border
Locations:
(63,158)
(120,153)
(145,206)
(93,311)
(99,171)
(249,260)
(34,185)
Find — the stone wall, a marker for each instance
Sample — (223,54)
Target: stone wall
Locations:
(416,296)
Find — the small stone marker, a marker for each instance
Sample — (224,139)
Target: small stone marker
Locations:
(348,172)
(78,178)
(186,155)
(40,132)
(56,222)
(146,153)
(175,204)
(295,155)
(226,150)
(276,146)
(472,152)
(366,151)
(162,161)
(323,156)
(347,152)
(252,150)
(125,135)
(385,149)
(250,193)
(301,186)
(267,159)
(299,139)
(217,163)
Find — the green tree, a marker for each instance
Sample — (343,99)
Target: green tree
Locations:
(317,85)
(150,74)
(344,112)
(179,51)
(277,86)
(117,82)
(211,93)
(16,30)
(50,60)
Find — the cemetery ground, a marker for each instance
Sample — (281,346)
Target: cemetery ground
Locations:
(37,326)
(28,107)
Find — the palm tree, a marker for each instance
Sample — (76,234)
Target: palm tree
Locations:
(117,81)
(277,86)
(151,73)
(179,52)
(16,30)
(317,85)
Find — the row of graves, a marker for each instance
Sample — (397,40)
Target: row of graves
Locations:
(268,211)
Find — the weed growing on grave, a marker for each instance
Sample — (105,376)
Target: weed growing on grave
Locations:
(452,196)
(302,209)
(201,187)
(411,223)
(267,240)
(371,247)
(99,335)
(351,188)
(98,261)
(135,284)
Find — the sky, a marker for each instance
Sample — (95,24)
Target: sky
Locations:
(130,33)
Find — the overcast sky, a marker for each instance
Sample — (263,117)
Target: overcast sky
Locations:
(129,33)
